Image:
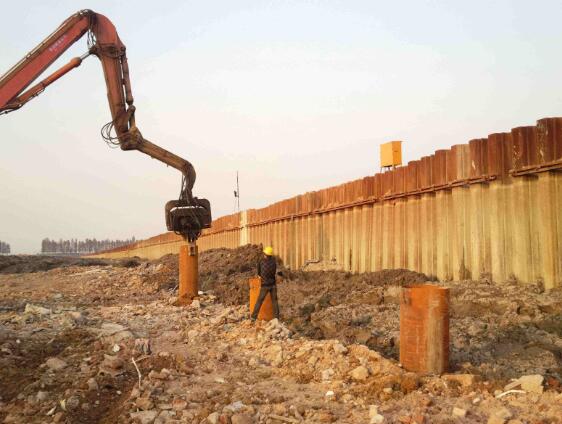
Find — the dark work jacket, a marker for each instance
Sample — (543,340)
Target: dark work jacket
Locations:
(267,268)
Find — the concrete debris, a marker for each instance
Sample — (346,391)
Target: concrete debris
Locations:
(42,396)
(283,419)
(36,309)
(327,374)
(92,384)
(241,419)
(55,364)
(144,417)
(465,380)
(459,412)
(360,373)
(500,416)
(374,416)
(211,364)
(339,348)
(528,383)
(213,418)
(144,404)
(113,362)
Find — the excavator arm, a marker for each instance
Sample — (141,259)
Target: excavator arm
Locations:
(186,216)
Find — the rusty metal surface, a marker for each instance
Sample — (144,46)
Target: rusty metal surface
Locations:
(496,155)
(266,310)
(455,168)
(399,180)
(424,176)
(188,274)
(549,139)
(480,160)
(524,140)
(439,168)
(424,329)
(451,164)
(412,175)
(477,149)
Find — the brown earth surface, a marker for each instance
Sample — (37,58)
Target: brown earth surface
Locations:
(67,336)
(20,264)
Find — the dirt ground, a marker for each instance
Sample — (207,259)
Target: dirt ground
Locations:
(69,333)
(18,264)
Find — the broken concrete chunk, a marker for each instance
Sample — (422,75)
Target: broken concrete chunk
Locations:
(465,380)
(500,416)
(110,328)
(459,412)
(339,348)
(529,383)
(327,374)
(213,418)
(55,364)
(532,383)
(242,419)
(155,375)
(112,333)
(36,310)
(144,403)
(92,384)
(234,407)
(113,362)
(360,373)
(42,396)
(145,417)
(179,404)
(374,416)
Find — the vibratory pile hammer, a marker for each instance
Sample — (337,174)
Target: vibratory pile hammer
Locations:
(187,215)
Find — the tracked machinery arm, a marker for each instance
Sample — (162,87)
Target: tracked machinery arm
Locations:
(186,216)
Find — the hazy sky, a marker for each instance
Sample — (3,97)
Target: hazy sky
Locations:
(296,95)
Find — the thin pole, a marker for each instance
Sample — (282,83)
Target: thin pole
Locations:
(237,191)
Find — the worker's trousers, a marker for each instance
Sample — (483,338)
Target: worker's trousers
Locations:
(264,290)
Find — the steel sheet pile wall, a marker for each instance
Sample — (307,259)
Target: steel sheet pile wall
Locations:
(491,208)
(224,232)
(487,208)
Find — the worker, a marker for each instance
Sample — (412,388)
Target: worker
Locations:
(267,270)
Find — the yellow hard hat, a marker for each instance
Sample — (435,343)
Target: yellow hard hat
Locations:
(268,250)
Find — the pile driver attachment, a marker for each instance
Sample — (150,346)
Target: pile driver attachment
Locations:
(188,218)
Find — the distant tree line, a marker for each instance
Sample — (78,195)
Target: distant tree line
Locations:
(4,248)
(77,247)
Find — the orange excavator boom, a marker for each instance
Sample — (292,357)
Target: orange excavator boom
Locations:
(188,215)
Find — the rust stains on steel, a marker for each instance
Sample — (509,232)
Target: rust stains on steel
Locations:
(424,329)
(523,151)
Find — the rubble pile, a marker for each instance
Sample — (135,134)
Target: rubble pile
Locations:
(106,344)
